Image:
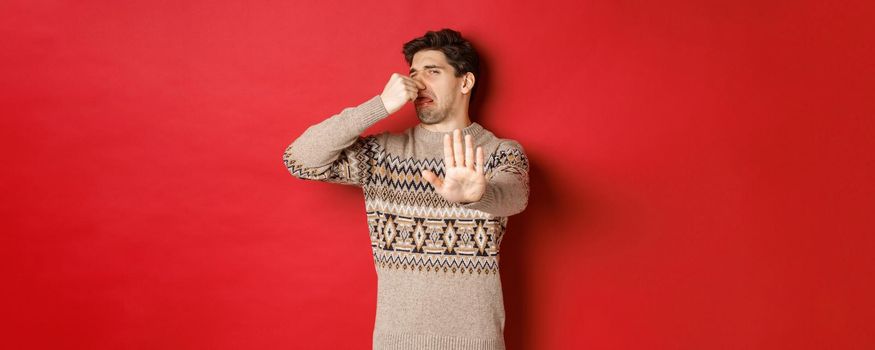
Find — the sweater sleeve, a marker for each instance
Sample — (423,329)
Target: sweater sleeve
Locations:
(333,150)
(507,181)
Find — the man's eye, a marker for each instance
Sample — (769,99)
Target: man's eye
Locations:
(434,71)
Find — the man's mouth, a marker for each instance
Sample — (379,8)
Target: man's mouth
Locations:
(423,100)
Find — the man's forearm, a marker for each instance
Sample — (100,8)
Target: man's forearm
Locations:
(322,143)
(507,186)
(505,195)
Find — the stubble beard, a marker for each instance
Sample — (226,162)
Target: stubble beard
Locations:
(430,115)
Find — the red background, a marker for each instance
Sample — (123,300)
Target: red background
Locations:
(701,173)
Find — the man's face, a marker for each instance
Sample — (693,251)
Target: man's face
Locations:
(442,91)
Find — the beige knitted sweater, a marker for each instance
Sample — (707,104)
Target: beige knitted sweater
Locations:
(436,261)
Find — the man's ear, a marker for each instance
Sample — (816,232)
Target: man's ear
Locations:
(468,82)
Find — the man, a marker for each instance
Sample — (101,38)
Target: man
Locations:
(437,207)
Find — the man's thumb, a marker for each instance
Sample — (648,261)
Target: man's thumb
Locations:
(431,178)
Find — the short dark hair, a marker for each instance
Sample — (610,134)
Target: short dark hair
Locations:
(460,53)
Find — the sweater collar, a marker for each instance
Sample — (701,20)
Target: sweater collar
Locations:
(421,133)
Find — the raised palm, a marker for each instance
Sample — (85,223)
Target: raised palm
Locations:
(464,180)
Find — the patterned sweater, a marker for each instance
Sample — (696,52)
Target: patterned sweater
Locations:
(436,261)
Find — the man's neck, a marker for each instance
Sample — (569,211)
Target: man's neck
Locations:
(447,126)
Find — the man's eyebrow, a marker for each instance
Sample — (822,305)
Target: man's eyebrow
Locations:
(426,67)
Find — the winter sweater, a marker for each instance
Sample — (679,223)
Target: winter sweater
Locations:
(436,261)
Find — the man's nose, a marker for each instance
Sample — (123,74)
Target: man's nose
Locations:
(419,83)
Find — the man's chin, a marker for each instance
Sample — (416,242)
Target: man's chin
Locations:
(428,119)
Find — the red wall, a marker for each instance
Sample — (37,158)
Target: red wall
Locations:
(701,173)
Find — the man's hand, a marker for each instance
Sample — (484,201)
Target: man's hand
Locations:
(400,90)
(463,181)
